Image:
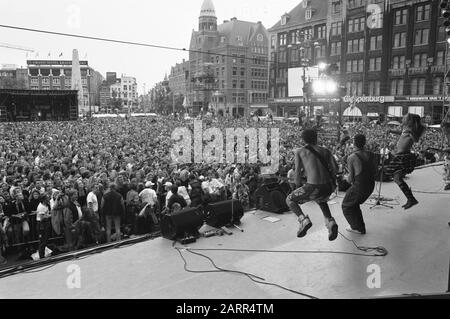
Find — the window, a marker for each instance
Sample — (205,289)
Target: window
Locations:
(421,37)
(322,32)
(440,58)
(400,40)
(45,81)
(437,86)
(235,71)
(398,62)
(234,84)
(282,39)
(242,84)
(34,81)
(442,35)
(400,16)
(397,87)
(336,7)
(321,51)
(356,45)
(375,64)
(374,88)
(350,26)
(376,42)
(423,13)
(273,41)
(420,60)
(56,82)
(293,37)
(355,66)
(335,48)
(308,14)
(308,32)
(281,57)
(418,87)
(336,28)
(355,3)
(294,55)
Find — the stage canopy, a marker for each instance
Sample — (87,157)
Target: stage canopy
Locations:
(38,105)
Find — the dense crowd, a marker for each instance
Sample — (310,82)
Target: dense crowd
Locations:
(80,180)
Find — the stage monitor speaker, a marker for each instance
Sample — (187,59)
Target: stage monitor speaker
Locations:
(224,213)
(272,198)
(185,222)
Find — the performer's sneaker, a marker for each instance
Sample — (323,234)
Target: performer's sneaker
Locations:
(332,229)
(355,231)
(410,203)
(305,225)
(447,187)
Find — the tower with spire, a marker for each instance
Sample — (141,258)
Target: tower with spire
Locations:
(207,19)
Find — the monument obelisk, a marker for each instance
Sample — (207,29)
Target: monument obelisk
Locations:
(76,80)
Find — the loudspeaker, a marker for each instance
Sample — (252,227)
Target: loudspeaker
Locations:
(272,198)
(177,225)
(224,213)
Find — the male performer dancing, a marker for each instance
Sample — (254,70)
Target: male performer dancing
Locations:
(362,168)
(404,161)
(320,169)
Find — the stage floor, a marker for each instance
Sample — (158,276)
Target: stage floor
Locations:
(418,242)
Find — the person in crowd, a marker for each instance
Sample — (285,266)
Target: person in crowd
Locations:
(176,199)
(241,193)
(362,168)
(43,218)
(113,208)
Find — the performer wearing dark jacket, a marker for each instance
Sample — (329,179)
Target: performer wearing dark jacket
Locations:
(362,169)
(404,161)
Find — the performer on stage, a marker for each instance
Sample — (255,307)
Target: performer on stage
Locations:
(362,168)
(404,161)
(320,168)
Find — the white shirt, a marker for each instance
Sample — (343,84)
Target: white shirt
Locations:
(92,198)
(148,196)
(169,194)
(182,191)
(42,212)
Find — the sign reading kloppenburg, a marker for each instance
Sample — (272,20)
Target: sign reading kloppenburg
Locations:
(368,99)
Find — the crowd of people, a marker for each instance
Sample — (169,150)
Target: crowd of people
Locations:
(81,180)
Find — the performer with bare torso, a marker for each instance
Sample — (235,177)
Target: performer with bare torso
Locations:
(320,168)
(404,161)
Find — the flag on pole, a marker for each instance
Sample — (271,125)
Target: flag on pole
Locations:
(37,54)
(61,55)
(49,54)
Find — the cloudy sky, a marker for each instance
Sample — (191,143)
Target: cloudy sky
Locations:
(167,22)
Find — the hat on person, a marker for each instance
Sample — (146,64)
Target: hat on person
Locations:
(168,184)
(149,184)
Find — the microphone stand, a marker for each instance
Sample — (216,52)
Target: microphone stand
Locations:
(379,199)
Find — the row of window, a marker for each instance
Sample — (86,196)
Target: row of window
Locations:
(259,85)
(259,97)
(298,36)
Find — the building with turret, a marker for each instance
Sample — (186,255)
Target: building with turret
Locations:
(228,65)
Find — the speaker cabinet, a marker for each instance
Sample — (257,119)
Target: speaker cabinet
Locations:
(272,198)
(185,222)
(224,213)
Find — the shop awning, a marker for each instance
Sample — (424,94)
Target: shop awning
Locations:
(419,110)
(259,106)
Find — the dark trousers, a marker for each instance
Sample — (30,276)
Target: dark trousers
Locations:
(351,207)
(44,228)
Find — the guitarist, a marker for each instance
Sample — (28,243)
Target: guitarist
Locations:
(362,168)
(320,169)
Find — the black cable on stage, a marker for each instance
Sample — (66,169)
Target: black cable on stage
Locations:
(250,276)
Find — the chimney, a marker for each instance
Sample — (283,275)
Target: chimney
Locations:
(234,19)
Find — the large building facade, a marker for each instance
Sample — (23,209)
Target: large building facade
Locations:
(57,75)
(390,56)
(13,77)
(228,65)
(179,78)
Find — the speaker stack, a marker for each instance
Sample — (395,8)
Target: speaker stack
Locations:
(272,197)
(224,213)
(184,223)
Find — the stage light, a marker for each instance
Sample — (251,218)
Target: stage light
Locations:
(325,87)
(322,66)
